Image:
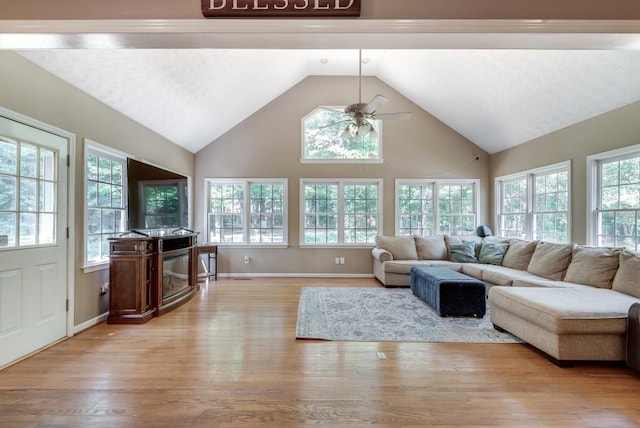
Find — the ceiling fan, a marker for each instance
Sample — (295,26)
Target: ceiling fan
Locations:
(360,114)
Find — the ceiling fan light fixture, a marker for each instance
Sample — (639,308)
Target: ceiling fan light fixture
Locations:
(346,134)
(362,113)
(364,130)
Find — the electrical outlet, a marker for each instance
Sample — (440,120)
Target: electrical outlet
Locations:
(342,261)
(247,260)
(104,289)
(337,260)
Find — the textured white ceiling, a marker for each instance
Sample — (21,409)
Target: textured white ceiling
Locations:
(495,98)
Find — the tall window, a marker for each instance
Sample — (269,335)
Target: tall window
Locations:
(425,207)
(247,212)
(341,212)
(28,190)
(514,208)
(105,201)
(327,138)
(617,205)
(456,209)
(535,204)
(416,209)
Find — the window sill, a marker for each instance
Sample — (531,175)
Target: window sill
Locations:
(95,268)
(252,247)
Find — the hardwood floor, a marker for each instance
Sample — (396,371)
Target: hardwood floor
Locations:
(229,358)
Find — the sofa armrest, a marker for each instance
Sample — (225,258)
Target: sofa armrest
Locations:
(381,255)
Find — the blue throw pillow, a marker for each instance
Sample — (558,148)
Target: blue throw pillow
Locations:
(492,253)
(463,253)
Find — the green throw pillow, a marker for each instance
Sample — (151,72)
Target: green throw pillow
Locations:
(492,253)
(463,253)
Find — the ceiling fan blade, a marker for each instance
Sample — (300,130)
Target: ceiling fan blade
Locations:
(393,116)
(373,105)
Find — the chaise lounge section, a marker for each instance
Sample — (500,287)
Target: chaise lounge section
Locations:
(570,301)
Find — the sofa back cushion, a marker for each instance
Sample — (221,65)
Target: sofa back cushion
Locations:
(519,254)
(463,253)
(550,260)
(593,266)
(626,280)
(492,253)
(400,247)
(431,247)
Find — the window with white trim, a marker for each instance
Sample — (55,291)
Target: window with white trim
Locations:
(535,204)
(341,212)
(616,208)
(247,211)
(431,207)
(328,137)
(105,196)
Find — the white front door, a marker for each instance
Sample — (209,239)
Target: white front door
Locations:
(33,239)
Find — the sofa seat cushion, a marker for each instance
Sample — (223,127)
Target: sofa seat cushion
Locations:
(474,270)
(500,275)
(536,281)
(445,263)
(566,310)
(403,266)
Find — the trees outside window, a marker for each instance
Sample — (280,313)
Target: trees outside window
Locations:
(618,208)
(341,212)
(431,207)
(247,212)
(535,204)
(28,191)
(105,184)
(324,139)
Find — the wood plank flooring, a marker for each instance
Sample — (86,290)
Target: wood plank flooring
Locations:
(229,358)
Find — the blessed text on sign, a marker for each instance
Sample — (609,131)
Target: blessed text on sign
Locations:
(279,8)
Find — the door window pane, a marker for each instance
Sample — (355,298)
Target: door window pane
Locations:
(27,193)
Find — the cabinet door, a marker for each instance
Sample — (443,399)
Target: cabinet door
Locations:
(126,296)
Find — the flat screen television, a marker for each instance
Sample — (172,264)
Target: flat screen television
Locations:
(157,198)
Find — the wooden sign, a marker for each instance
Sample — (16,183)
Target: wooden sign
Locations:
(280,8)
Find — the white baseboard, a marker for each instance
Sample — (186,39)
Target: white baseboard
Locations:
(294,275)
(88,324)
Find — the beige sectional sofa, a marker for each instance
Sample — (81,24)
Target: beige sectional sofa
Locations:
(570,301)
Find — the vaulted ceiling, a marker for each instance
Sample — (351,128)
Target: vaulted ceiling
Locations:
(497,98)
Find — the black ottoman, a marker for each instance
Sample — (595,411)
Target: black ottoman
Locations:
(448,292)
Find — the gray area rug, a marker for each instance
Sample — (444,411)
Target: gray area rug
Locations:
(381,315)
